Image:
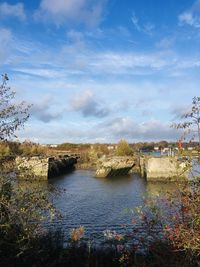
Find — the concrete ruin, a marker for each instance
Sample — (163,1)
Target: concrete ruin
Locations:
(164,168)
(42,168)
(115,166)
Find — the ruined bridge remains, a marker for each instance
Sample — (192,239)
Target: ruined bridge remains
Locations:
(150,167)
(164,168)
(40,167)
(115,166)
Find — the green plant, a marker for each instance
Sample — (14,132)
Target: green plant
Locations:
(22,210)
(177,215)
(123,148)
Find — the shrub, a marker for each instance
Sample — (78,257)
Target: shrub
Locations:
(123,148)
(177,214)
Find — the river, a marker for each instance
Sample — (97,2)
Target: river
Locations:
(100,204)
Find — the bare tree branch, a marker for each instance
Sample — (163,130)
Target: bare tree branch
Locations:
(12,115)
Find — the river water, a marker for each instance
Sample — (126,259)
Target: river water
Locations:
(100,204)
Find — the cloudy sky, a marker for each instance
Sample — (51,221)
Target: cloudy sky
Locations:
(101,70)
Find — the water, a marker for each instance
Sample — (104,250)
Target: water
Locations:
(100,204)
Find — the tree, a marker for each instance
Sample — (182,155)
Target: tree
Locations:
(123,148)
(12,115)
(21,209)
(191,119)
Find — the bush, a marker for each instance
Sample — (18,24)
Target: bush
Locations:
(177,215)
(123,148)
(22,213)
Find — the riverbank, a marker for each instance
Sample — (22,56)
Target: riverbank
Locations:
(49,251)
(91,201)
(100,205)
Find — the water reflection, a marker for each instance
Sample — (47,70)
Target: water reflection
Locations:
(98,204)
(156,188)
(95,203)
(102,203)
(33,185)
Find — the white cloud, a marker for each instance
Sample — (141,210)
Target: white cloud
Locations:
(180,111)
(125,127)
(5,36)
(88,104)
(124,32)
(191,16)
(44,73)
(5,44)
(88,12)
(75,36)
(80,59)
(121,127)
(146,28)
(135,22)
(43,111)
(17,10)
(165,43)
(36,133)
(108,131)
(128,62)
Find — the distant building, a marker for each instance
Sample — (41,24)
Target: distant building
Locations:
(166,149)
(52,145)
(111,147)
(156,148)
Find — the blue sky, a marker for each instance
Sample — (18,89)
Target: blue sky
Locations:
(99,71)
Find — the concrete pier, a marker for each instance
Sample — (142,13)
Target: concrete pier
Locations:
(164,168)
(115,166)
(42,168)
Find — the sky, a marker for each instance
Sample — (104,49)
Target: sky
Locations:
(101,70)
